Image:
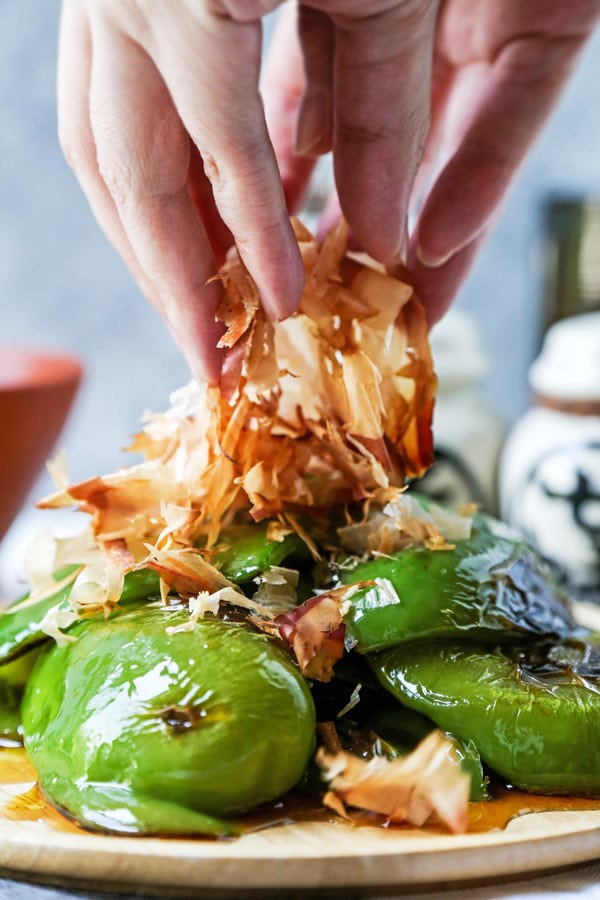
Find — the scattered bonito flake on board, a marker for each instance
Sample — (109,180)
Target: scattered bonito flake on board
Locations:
(413,788)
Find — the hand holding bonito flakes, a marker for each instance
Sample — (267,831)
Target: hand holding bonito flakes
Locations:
(331,406)
(161,118)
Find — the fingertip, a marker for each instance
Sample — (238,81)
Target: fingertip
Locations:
(205,368)
(437,241)
(437,286)
(377,219)
(196,332)
(432,242)
(429,259)
(275,263)
(385,245)
(282,295)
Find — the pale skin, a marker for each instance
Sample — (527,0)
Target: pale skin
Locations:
(428,103)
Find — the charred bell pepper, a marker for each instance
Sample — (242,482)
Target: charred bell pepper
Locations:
(134,728)
(369,722)
(490,587)
(532,711)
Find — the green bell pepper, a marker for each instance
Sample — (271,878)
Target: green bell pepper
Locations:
(248,552)
(13,677)
(533,712)
(20,623)
(374,724)
(135,729)
(489,587)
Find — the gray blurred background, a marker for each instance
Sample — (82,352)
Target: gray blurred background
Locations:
(63,286)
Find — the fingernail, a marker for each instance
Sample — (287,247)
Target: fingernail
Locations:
(312,129)
(277,310)
(426,257)
(430,260)
(395,258)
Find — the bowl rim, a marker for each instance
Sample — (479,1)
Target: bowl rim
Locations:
(32,367)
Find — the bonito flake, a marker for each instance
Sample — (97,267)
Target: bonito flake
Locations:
(409,789)
(330,406)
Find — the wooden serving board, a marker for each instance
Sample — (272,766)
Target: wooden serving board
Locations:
(502,841)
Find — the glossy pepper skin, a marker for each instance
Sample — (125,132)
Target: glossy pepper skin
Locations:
(489,587)
(21,623)
(533,713)
(247,552)
(13,677)
(133,729)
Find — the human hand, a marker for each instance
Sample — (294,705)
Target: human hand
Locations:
(498,69)
(161,120)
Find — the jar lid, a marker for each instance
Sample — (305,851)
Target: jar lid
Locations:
(568,368)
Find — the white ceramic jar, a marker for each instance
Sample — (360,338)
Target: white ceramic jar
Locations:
(550,467)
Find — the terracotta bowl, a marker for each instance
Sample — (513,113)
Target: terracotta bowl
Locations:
(37,389)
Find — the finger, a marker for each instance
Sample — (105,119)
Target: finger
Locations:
(225,118)
(282,88)
(330,216)
(382,98)
(443,91)
(201,193)
(314,133)
(75,130)
(437,287)
(512,105)
(143,156)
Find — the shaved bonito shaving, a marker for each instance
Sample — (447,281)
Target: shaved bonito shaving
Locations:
(409,789)
(330,406)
